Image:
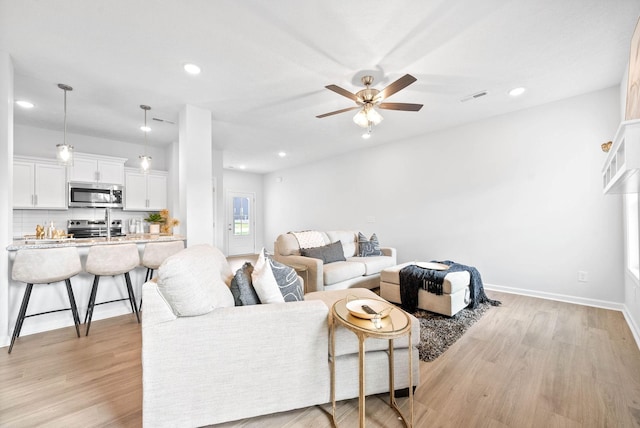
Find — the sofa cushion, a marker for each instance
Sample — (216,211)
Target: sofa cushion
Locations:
(264,282)
(328,253)
(368,247)
(242,287)
(348,239)
(193,281)
(288,281)
(341,271)
(373,264)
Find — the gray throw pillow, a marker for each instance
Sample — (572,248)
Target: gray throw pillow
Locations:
(368,247)
(316,253)
(242,288)
(334,252)
(288,281)
(327,253)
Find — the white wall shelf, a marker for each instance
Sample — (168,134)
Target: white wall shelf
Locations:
(621,171)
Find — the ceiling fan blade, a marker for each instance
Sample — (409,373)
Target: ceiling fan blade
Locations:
(337,111)
(343,92)
(400,106)
(399,84)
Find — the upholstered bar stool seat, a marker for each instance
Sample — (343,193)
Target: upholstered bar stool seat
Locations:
(155,253)
(45,266)
(111,260)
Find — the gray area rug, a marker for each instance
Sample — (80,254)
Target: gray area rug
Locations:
(438,332)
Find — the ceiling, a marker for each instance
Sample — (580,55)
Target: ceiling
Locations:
(265,65)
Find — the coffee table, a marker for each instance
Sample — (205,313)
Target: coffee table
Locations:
(393,326)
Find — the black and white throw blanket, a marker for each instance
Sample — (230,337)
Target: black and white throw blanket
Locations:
(413,277)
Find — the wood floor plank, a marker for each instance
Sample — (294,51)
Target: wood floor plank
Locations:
(527,363)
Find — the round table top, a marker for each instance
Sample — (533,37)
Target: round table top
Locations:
(397,323)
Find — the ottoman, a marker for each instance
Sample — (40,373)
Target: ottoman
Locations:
(455,290)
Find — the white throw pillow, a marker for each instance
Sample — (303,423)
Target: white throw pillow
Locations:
(264,282)
(192,283)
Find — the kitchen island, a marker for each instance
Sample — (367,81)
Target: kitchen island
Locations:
(54,296)
(137,238)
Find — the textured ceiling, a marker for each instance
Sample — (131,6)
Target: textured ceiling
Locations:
(265,65)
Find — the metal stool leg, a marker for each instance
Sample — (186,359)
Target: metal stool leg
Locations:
(132,298)
(92,302)
(21,315)
(74,308)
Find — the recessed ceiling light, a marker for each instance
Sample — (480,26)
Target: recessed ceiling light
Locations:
(191,68)
(282,154)
(517,91)
(25,104)
(242,166)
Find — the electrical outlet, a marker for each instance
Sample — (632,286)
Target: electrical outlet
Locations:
(371,219)
(583,276)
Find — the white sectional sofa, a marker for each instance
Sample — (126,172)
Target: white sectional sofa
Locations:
(354,272)
(236,362)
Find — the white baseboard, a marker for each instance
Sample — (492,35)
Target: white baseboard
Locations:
(604,304)
(632,325)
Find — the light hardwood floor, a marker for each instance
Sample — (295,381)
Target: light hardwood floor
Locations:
(528,363)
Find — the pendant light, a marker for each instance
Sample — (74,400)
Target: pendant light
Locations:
(64,151)
(145,161)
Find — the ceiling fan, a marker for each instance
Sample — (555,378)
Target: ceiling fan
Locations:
(369,99)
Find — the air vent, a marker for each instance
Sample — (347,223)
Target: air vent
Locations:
(474,96)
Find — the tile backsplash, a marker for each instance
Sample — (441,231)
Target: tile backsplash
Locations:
(25,221)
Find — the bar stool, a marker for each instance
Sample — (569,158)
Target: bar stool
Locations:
(155,253)
(111,260)
(45,266)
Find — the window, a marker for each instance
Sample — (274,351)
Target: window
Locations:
(241,216)
(632,237)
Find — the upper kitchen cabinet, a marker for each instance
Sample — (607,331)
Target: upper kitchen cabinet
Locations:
(97,169)
(145,191)
(39,184)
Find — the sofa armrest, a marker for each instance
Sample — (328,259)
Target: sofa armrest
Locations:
(313,278)
(391,252)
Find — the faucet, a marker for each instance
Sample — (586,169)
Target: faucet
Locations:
(107,219)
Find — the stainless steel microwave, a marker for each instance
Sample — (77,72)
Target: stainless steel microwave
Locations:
(95,195)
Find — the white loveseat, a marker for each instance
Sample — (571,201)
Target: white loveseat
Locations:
(356,271)
(239,362)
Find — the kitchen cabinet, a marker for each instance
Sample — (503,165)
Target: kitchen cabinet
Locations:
(39,184)
(97,169)
(145,191)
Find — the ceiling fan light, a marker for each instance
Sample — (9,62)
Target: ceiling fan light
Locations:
(373,116)
(360,119)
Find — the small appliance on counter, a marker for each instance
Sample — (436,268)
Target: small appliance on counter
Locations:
(93,228)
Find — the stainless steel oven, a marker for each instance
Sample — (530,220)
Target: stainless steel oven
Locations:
(95,195)
(94,228)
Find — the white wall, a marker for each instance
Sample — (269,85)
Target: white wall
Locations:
(519,196)
(238,181)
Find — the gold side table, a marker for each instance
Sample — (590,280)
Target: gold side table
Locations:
(393,326)
(301,269)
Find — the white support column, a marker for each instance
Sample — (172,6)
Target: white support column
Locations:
(6,187)
(195,175)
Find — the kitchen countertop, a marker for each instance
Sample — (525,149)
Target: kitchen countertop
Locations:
(138,238)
